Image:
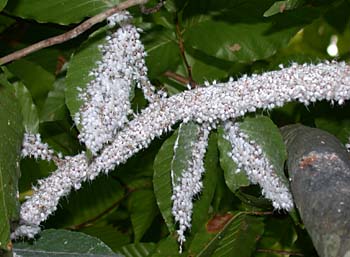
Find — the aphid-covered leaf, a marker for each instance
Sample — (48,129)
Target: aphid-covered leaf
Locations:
(233,179)
(82,62)
(266,134)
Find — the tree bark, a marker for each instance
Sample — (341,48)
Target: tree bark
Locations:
(319,171)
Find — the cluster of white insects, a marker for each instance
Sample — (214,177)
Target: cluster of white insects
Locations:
(112,136)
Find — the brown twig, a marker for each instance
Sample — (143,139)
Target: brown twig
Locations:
(177,77)
(72,33)
(281,252)
(192,83)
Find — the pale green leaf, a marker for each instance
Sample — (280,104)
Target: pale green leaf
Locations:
(62,12)
(233,179)
(10,145)
(64,243)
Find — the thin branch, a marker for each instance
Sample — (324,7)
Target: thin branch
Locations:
(281,252)
(182,52)
(72,33)
(177,77)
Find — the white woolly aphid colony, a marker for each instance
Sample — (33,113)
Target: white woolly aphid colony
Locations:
(112,137)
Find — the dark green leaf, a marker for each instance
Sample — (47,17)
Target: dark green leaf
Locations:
(92,201)
(62,12)
(282,6)
(167,247)
(82,62)
(37,80)
(138,249)
(109,234)
(29,111)
(338,127)
(143,209)
(5,22)
(233,179)
(10,145)
(54,107)
(266,134)
(162,51)
(228,235)
(64,243)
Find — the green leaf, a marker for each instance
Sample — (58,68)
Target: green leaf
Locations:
(282,6)
(109,234)
(64,243)
(167,247)
(63,12)
(2,4)
(10,145)
(338,127)
(5,22)
(162,51)
(138,249)
(92,201)
(202,205)
(280,234)
(143,209)
(233,179)
(82,62)
(168,161)
(162,180)
(266,134)
(227,235)
(28,108)
(238,31)
(37,80)
(55,107)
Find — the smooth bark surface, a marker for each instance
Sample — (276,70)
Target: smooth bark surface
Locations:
(319,171)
